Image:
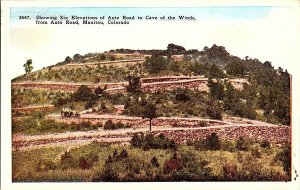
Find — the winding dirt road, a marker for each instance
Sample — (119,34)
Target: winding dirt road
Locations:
(79,138)
(148,84)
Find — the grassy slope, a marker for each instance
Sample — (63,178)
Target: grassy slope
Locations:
(244,162)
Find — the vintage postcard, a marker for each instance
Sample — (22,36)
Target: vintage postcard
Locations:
(139,94)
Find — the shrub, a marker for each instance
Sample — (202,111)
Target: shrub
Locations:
(120,125)
(45,165)
(109,125)
(154,162)
(202,123)
(182,97)
(99,91)
(98,125)
(103,57)
(67,161)
(60,101)
(172,165)
(107,174)
(109,159)
(38,115)
(83,94)
(134,85)
(255,152)
(227,146)
(242,144)
(123,154)
(200,145)
(89,104)
(86,125)
(87,161)
(285,157)
(135,140)
(213,142)
(115,153)
(230,172)
(213,112)
(83,163)
(150,141)
(265,144)
(112,58)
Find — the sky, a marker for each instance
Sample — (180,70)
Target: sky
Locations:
(265,32)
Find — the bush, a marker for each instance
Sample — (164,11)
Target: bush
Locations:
(45,165)
(182,97)
(172,165)
(242,144)
(200,145)
(83,94)
(213,142)
(109,159)
(115,153)
(285,157)
(150,141)
(230,172)
(213,112)
(87,161)
(255,152)
(134,85)
(135,140)
(99,91)
(227,146)
(89,104)
(112,58)
(67,161)
(155,64)
(83,163)
(38,115)
(123,154)
(110,125)
(265,144)
(202,123)
(107,174)
(154,162)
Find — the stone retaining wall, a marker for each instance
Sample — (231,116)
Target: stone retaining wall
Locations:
(193,84)
(274,134)
(168,78)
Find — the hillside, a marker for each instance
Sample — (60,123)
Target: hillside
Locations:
(265,93)
(152,115)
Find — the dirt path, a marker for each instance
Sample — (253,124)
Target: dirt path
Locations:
(156,82)
(117,63)
(31,108)
(139,122)
(79,138)
(148,84)
(161,124)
